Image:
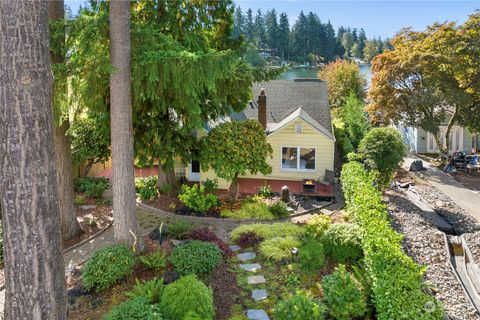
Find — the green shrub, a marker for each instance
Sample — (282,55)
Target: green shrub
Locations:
(196,257)
(179,228)
(196,199)
(135,309)
(279,209)
(92,186)
(80,200)
(267,231)
(146,187)
(342,295)
(317,225)
(299,307)
(279,248)
(155,260)
(192,315)
(151,290)
(382,150)
(265,191)
(186,295)
(342,242)
(397,281)
(211,185)
(311,256)
(106,267)
(249,210)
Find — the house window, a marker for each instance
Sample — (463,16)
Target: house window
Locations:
(298,128)
(298,158)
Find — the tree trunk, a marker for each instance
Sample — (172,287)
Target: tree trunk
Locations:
(87,168)
(34,270)
(63,154)
(123,184)
(235,188)
(440,144)
(166,176)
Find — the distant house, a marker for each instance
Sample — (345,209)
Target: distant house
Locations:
(421,141)
(297,122)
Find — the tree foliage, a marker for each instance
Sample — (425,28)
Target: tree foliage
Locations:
(429,78)
(382,150)
(343,77)
(186,70)
(233,149)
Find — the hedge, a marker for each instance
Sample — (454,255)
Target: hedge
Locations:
(397,281)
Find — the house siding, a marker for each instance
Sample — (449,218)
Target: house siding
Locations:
(310,137)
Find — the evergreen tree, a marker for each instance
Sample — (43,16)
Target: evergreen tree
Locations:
(271,24)
(355,35)
(315,34)
(339,49)
(249,26)
(387,45)
(260,32)
(330,42)
(238,23)
(284,36)
(300,41)
(362,39)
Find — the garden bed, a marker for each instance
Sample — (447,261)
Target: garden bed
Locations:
(231,294)
(93,217)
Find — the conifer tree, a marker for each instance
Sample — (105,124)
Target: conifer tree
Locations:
(271,24)
(260,32)
(284,36)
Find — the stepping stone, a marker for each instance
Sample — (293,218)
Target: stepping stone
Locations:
(246,256)
(87,207)
(259,294)
(253,314)
(235,248)
(251,267)
(177,243)
(256,280)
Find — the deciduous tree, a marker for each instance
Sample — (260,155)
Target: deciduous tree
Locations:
(234,149)
(343,77)
(34,270)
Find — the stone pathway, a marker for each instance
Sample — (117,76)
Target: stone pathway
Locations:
(257,294)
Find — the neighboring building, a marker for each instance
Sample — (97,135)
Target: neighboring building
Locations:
(297,122)
(421,141)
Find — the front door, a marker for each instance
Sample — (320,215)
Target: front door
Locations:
(194,174)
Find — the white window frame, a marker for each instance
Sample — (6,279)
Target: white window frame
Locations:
(298,159)
(298,128)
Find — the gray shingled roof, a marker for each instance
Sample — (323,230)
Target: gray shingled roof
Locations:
(286,96)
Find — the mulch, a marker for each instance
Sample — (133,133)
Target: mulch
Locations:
(226,292)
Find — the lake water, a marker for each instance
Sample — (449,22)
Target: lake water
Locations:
(312,73)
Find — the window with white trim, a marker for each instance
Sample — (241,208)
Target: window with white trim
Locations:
(298,128)
(298,158)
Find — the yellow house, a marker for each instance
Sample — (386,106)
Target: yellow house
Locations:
(297,122)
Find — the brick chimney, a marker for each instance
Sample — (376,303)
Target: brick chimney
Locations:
(262,108)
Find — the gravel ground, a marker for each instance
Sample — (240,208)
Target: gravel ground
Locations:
(449,210)
(473,241)
(425,243)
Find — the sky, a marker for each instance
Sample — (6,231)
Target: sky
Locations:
(378,18)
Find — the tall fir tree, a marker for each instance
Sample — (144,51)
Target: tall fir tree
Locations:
(249,26)
(330,42)
(238,23)
(271,24)
(300,38)
(260,33)
(284,36)
(362,42)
